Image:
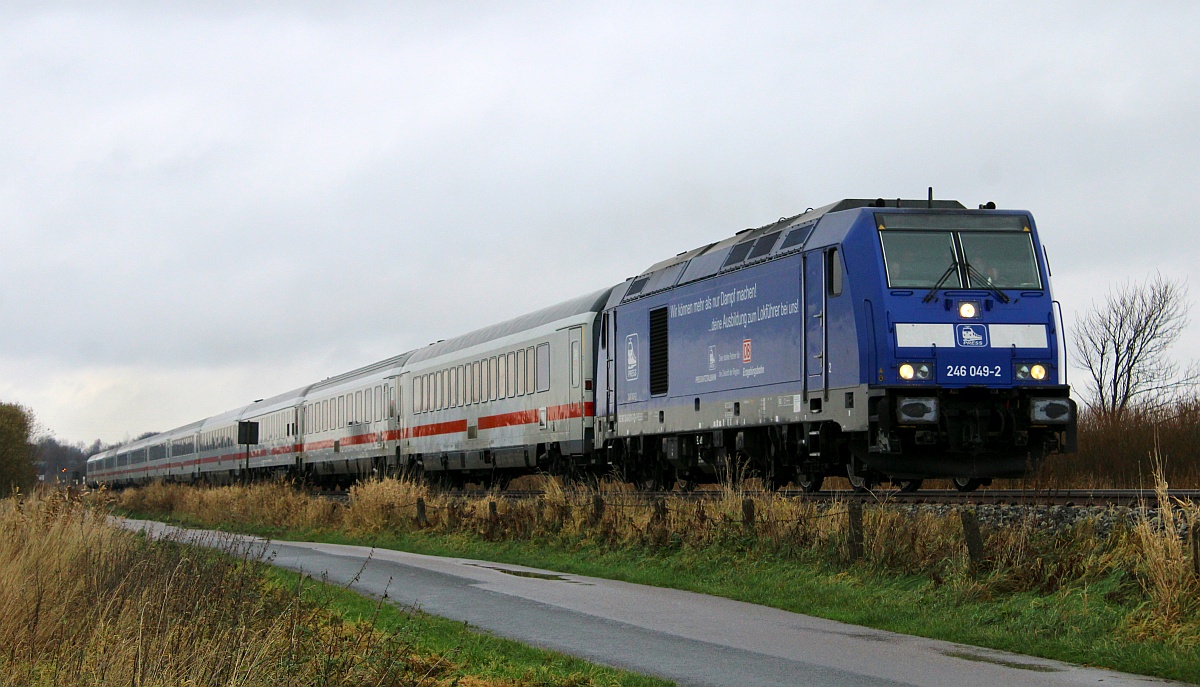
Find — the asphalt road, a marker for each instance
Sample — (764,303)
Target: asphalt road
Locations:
(690,638)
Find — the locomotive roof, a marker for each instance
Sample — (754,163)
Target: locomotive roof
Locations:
(785,235)
(592,302)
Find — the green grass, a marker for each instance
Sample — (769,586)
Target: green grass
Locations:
(1085,624)
(478,654)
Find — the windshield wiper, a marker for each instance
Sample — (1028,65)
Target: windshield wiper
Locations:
(972,272)
(945,275)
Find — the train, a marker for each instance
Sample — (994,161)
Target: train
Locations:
(884,341)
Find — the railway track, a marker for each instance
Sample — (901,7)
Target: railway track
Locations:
(1014,497)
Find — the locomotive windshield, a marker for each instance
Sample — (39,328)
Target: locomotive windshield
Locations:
(948,251)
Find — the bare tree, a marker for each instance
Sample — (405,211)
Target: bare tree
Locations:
(1124,344)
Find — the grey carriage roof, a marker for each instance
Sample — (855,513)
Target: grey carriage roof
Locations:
(395,361)
(592,302)
(705,261)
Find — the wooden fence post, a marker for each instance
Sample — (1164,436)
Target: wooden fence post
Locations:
(748,515)
(493,512)
(658,512)
(1195,531)
(970,525)
(854,514)
(597,509)
(422,520)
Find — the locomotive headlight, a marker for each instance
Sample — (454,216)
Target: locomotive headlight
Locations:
(1026,372)
(968,310)
(910,371)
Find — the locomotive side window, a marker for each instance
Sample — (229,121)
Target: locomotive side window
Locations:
(543,367)
(833,271)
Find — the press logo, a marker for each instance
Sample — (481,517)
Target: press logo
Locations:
(971,335)
(631,357)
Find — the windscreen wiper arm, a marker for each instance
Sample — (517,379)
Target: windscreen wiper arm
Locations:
(972,272)
(945,275)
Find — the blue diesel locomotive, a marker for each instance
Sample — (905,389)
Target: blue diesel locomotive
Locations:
(877,340)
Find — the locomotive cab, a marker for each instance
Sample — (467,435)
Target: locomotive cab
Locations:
(969,378)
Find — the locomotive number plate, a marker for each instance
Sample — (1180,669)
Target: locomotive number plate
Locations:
(973,371)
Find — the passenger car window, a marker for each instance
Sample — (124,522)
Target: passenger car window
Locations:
(521,372)
(512,385)
(543,367)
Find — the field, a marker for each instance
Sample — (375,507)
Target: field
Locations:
(85,603)
(1117,588)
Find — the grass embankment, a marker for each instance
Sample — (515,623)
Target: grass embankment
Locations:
(1127,599)
(85,603)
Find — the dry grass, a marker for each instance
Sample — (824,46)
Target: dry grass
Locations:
(1125,450)
(84,603)
(274,504)
(1169,577)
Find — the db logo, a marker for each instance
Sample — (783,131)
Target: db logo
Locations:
(745,350)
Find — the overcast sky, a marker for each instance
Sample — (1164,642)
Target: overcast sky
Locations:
(206,203)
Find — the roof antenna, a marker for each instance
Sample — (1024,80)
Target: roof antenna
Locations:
(930,197)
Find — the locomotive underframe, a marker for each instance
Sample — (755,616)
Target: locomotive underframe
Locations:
(978,433)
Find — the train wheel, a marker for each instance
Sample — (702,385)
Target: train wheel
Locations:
(967,483)
(908,486)
(810,484)
(860,483)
